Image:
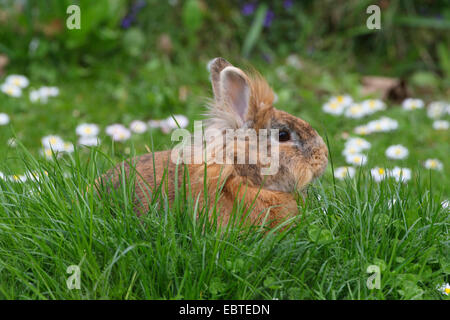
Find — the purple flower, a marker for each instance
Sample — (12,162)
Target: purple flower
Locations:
(269,18)
(288,4)
(248,9)
(127,21)
(131,16)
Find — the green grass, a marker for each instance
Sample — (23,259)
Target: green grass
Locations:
(171,253)
(344,226)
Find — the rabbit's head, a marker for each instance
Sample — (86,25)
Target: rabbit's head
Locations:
(246,101)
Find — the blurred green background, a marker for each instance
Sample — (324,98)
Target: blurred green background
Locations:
(146,59)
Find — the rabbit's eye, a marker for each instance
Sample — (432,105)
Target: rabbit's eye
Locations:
(284,136)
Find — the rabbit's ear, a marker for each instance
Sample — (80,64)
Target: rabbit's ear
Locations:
(235,90)
(215,66)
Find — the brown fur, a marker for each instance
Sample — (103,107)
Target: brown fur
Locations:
(269,198)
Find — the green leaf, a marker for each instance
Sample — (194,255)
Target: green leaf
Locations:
(255,30)
(319,235)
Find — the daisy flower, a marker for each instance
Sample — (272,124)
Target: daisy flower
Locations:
(17,80)
(356,159)
(153,124)
(12,142)
(412,104)
(445,204)
(444,289)
(4,119)
(358,143)
(373,105)
(344,100)
(440,125)
(68,147)
(378,174)
(114,128)
(138,126)
(49,91)
(11,90)
(391,203)
(362,130)
(35,96)
(343,172)
(333,108)
(397,152)
(355,111)
(178,119)
(18,178)
(118,132)
(89,141)
(434,164)
(53,142)
(436,109)
(401,174)
(383,124)
(87,130)
(351,150)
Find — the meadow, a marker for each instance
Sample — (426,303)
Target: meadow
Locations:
(383,200)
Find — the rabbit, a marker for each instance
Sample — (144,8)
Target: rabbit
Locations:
(241,100)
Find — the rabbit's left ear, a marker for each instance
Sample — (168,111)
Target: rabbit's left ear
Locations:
(215,67)
(235,90)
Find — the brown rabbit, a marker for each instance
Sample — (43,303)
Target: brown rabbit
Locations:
(241,101)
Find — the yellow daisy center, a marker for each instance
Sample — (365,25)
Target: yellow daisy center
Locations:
(340,98)
(381,171)
(447,290)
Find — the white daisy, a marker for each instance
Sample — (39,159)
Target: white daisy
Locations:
(153,124)
(90,141)
(444,289)
(445,204)
(53,142)
(436,109)
(351,150)
(434,164)
(138,126)
(11,90)
(362,130)
(4,119)
(397,152)
(344,100)
(355,111)
(373,105)
(35,96)
(391,203)
(48,153)
(356,159)
(400,174)
(412,104)
(333,108)
(122,135)
(177,120)
(68,147)
(383,124)
(358,143)
(343,172)
(49,91)
(17,80)
(114,128)
(12,142)
(18,178)
(378,174)
(87,130)
(440,125)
